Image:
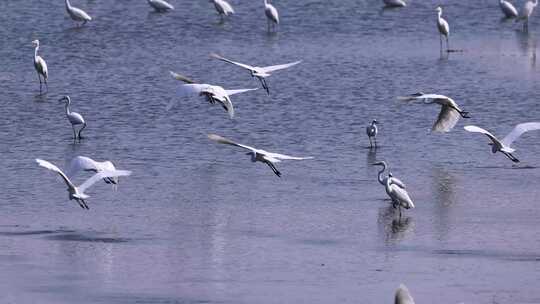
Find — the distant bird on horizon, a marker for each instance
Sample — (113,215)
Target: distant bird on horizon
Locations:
(259,72)
(444,28)
(77,14)
(77,193)
(212,93)
(258,155)
(503,145)
(403,296)
(272,16)
(160,5)
(86,164)
(40,66)
(526,13)
(223,8)
(449,114)
(371,132)
(508,9)
(74,118)
(394,3)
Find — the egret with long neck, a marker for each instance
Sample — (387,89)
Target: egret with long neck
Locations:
(40,66)
(74,118)
(77,14)
(272,16)
(444,28)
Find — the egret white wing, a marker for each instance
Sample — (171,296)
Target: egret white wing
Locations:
(160,5)
(403,296)
(397,182)
(81,163)
(518,131)
(223,140)
(447,119)
(273,68)
(245,66)
(181,77)
(48,165)
(232,92)
(283,156)
(403,197)
(476,129)
(98,176)
(43,65)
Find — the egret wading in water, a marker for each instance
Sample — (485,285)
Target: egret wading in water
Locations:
(400,197)
(160,6)
(77,14)
(382,179)
(259,72)
(403,296)
(74,118)
(371,132)
(258,155)
(526,12)
(223,8)
(503,145)
(508,9)
(77,193)
(40,66)
(444,29)
(272,16)
(449,114)
(394,3)
(86,164)
(212,93)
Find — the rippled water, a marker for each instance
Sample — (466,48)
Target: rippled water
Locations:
(197,222)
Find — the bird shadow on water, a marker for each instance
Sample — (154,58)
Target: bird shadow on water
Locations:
(391,227)
(90,236)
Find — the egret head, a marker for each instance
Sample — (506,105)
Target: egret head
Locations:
(65,99)
(35,43)
(390,174)
(439,9)
(374,122)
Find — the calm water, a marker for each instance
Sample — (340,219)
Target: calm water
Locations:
(198,223)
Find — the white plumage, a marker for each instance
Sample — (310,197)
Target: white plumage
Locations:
(40,66)
(77,14)
(508,9)
(526,13)
(272,16)
(394,3)
(74,118)
(400,197)
(444,28)
(160,5)
(403,296)
(83,163)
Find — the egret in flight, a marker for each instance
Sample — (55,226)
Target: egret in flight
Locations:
(527,11)
(508,9)
(444,28)
(258,155)
(74,118)
(372,131)
(272,16)
(40,66)
(503,145)
(77,193)
(382,179)
(400,197)
(83,163)
(449,114)
(260,72)
(160,5)
(77,14)
(403,296)
(223,8)
(212,93)
(395,3)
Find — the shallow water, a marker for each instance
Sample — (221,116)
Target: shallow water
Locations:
(197,222)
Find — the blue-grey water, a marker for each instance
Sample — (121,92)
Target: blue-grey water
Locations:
(197,222)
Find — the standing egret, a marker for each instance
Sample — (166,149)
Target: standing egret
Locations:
(444,28)
(372,131)
(83,163)
(449,114)
(74,118)
(77,14)
(260,72)
(40,66)
(223,8)
(503,145)
(394,3)
(400,197)
(528,9)
(212,93)
(382,180)
(77,193)
(508,9)
(403,296)
(272,16)
(258,155)
(160,5)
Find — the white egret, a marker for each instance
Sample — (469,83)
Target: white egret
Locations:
(40,66)
(403,296)
(444,28)
(526,12)
(272,16)
(160,5)
(503,145)
(372,131)
(77,14)
(508,9)
(77,193)
(223,8)
(260,72)
(74,118)
(449,114)
(400,197)
(258,155)
(394,3)
(382,179)
(83,163)
(212,93)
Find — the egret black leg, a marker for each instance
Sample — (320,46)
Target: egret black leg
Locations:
(84,126)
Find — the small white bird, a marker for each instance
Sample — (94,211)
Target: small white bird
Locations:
(272,16)
(83,163)
(258,155)
(372,131)
(77,14)
(394,3)
(212,93)
(74,118)
(444,28)
(260,72)
(382,179)
(400,197)
(40,66)
(223,8)
(403,296)
(449,114)
(503,145)
(77,193)
(508,9)
(526,12)
(160,5)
